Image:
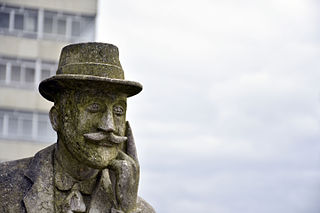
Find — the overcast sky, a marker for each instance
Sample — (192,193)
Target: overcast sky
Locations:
(228,120)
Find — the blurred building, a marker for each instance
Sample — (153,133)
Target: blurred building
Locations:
(32,33)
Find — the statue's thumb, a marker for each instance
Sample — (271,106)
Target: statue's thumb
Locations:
(131,146)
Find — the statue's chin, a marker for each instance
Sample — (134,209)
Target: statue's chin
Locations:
(94,156)
(100,158)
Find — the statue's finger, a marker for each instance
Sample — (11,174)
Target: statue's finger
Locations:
(115,165)
(128,161)
(122,160)
(131,146)
(125,157)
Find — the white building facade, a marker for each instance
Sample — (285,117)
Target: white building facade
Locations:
(32,33)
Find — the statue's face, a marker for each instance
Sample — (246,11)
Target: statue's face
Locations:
(92,126)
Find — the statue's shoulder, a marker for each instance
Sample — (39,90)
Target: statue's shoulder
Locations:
(15,179)
(12,170)
(13,183)
(144,206)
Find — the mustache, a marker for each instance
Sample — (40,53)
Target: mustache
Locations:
(102,138)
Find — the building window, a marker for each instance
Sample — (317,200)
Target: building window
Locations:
(24,73)
(21,21)
(4,19)
(68,27)
(28,126)
(3,72)
(1,124)
(24,21)
(13,125)
(48,69)
(62,27)
(18,22)
(30,22)
(44,126)
(15,73)
(76,28)
(29,75)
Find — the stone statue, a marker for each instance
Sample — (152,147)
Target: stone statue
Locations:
(93,167)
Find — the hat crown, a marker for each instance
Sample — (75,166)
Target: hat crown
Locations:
(97,59)
(88,65)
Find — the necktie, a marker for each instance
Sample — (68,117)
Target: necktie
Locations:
(74,201)
(103,198)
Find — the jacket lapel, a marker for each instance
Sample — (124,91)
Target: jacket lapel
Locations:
(40,197)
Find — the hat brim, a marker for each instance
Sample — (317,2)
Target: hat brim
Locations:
(50,87)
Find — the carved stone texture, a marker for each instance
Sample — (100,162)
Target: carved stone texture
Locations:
(93,167)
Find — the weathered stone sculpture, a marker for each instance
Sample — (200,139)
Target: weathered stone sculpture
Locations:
(93,167)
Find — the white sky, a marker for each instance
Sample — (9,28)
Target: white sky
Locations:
(228,120)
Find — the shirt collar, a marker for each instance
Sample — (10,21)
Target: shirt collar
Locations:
(64,182)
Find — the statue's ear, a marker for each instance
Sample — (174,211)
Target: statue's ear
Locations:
(53,114)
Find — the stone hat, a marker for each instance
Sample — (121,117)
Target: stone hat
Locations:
(89,65)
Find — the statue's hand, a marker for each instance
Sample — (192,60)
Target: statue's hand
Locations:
(127,170)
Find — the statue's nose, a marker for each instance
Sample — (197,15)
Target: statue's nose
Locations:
(106,123)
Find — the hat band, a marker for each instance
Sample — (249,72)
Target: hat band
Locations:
(95,69)
(95,63)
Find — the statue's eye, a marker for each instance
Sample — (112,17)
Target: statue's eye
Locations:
(95,107)
(118,110)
